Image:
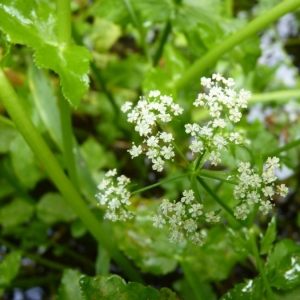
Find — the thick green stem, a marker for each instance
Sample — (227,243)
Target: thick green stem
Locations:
(229,7)
(251,28)
(278,96)
(67,137)
(281,149)
(25,126)
(260,267)
(64,21)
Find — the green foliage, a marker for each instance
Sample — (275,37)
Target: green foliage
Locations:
(49,172)
(114,287)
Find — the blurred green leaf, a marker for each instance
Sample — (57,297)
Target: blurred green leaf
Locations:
(114,287)
(250,290)
(5,58)
(266,243)
(24,163)
(69,288)
(45,101)
(7,135)
(9,268)
(33,23)
(53,208)
(146,245)
(282,266)
(16,212)
(78,229)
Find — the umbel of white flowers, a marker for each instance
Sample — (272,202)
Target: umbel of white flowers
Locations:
(182,217)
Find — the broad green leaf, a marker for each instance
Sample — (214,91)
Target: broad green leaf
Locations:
(239,239)
(146,245)
(282,265)
(268,239)
(53,208)
(216,258)
(33,23)
(78,229)
(288,295)
(114,287)
(250,290)
(24,163)
(7,134)
(5,57)
(9,268)
(16,212)
(45,102)
(69,288)
(71,63)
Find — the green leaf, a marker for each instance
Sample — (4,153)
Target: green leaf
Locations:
(53,208)
(7,135)
(6,58)
(16,212)
(282,266)
(45,102)
(9,268)
(24,162)
(269,238)
(69,287)
(78,229)
(146,245)
(114,287)
(72,65)
(33,23)
(250,290)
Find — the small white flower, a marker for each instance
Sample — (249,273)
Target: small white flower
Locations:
(135,151)
(126,106)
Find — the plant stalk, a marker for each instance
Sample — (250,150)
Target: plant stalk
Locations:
(251,28)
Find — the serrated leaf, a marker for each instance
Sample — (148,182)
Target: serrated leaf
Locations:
(54,208)
(250,290)
(269,238)
(114,287)
(9,267)
(16,212)
(33,23)
(282,266)
(69,288)
(72,65)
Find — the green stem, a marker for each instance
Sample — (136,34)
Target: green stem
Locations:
(277,151)
(229,7)
(278,96)
(192,278)
(162,42)
(159,183)
(260,267)
(215,175)
(217,199)
(139,26)
(67,138)
(31,135)
(64,21)
(37,258)
(180,153)
(35,281)
(251,28)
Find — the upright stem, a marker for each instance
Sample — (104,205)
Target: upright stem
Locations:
(64,21)
(260,267)
(25,126)
(67,137)
(64,38)
(251,28)
(162,42)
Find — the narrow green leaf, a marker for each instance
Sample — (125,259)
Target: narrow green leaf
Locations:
(69,287)
(114,287)
(269,238)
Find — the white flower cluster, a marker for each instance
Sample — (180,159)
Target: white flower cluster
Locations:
(150,111)
(114,196)
(182,218)
(251,185)
(224,105)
